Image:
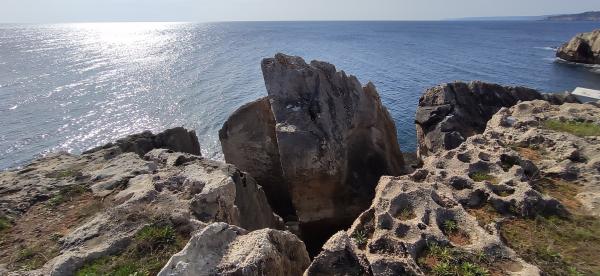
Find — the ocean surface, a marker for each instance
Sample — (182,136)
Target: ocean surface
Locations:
(69,87)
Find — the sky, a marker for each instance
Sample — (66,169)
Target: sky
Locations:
(43,11)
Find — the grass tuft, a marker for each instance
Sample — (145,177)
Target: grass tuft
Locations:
(360,238)
(4,223)
(66,194)
(577,128)
(444,260)
(150,250)
(482,176)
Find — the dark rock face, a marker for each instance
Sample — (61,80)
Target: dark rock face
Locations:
(449,113)
(583,48)
(177,139)
(320,136)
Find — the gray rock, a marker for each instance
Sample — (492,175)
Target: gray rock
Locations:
(327,143)
(176,139)
(222,249)
(449,113)
(583,48)
(184,190)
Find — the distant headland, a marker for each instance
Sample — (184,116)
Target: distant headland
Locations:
(584,16)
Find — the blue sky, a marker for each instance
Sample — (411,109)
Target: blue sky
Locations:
(234,10)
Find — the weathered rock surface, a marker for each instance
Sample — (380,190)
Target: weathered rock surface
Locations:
(495,168)
(321,136)
(181,189)
(583,48)
(177,139)
(222,249)
(449,113)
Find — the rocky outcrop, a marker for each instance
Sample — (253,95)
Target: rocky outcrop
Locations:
(222,249)
(583,48)
(114,194)
(177,139)
(439,206)
(319,135)
(449,113)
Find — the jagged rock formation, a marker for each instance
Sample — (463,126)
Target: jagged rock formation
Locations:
(436,204)
(320,136)
(115,194)
(583,48)
(449,113)
(222,249)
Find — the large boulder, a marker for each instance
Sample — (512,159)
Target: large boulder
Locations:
(449,113)
(177,139)
(319,139)
(583,48)
(222,249)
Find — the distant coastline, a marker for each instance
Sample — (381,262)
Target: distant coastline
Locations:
(584,16)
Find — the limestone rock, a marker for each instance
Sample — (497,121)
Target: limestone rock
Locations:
(128,193)
(583,48)
(176,139)
(222,249)
(321,136)
(449,113)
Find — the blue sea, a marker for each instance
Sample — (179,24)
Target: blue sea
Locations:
(69,87)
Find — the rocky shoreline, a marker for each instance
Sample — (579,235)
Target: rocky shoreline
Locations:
(583,48)
(315,184)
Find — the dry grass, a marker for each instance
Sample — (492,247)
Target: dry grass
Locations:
(31,240)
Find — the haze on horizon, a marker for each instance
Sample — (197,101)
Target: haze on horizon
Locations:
(44,11)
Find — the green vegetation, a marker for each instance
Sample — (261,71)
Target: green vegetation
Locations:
(360,238)
(406,214)
(150,250)
(450,226)
(66,194)
(482,176)
(61,174)
(34,257)
(559,246)
(578,128)
(447,261)
(4,223)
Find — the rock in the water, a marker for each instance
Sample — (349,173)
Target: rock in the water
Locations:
(583,48)
(119,193)
(449,113)
(222,249)
(319,135)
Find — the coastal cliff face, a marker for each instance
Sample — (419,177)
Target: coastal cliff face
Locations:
(517,193)
(449,113)
(469,204)
(319,139)
(583,48)
(70,213)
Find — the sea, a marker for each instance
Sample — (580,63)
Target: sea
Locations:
(70,87)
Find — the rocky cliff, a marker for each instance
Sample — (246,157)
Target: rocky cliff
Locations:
(318,143)
(496,204)
(583,48)
(129,205)
(449,113)
(517,193)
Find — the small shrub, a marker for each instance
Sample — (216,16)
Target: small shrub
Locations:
(450,226)
(575,127)
(61,174)
(360,238)
(153,237)
(482,176)
(4,223)
(66,194)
